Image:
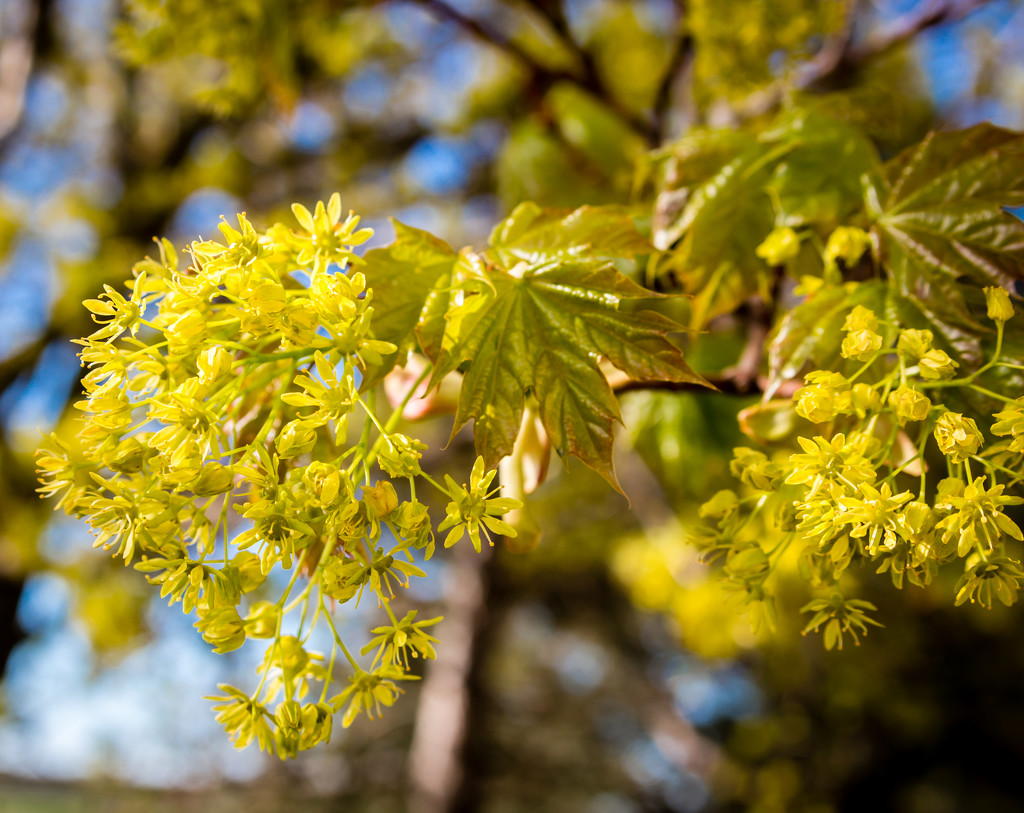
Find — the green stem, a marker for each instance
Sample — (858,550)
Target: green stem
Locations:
(337,638)
(435,484)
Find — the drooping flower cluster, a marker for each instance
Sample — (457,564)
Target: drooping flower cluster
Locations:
(221,403)
(863,491)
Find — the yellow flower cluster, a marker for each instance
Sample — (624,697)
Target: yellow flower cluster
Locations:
(216,448)
(860,492)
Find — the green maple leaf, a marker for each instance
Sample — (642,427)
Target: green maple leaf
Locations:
(529,318)
(591,232)
(413,279)
(711,214)
(402,277)
(939,215)
(539,333)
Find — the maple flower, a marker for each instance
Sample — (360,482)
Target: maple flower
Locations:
(839,615)
(243,718)
(998,577)
(1000,308)
(334,397)
(394,643)
(1011,422)
(368,691)
(873,514)
(124,314)
(473,508)
(326,238)
(979,517)
(827,462)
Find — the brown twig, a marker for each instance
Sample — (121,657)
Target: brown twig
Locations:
(682,52)
(726,383)
(587,77)
(436,773)
(910,25)
(19,22)
(839,53)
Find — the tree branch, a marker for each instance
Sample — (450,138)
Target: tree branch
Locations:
(19,21)
(909,26)
(681,55)
(483,32)
(840,54)
(588,77)
(436,773)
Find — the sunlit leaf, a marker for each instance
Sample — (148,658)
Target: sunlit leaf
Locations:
(819,182)
(540,334)
(939,211)
(402,277)
(711,242)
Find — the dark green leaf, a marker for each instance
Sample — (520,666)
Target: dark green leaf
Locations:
(939,215)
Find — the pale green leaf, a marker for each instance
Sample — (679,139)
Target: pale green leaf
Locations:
(540,333)
(402,278)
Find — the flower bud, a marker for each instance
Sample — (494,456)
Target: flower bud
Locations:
(948,491)
(317,724)
(250,572)
(380,500)
(400,455)
(865,399)
(297,438)
(128,456)
(782,245)
(917,521)
(721,505)
(752,467)
(289,715)
(223,628)
(861,345)
(913,344)
(826,396)
(213,363)
(262,620)
(936,364)
(335,582)
(214,479)
(957,436)
(325,483)
(292,657)
(1000,308)
(909,404)
(861,318)
(848,244)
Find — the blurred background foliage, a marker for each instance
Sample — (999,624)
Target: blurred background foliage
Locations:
(602,672)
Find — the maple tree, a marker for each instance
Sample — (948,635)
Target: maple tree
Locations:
(840,290)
